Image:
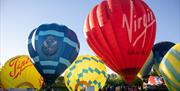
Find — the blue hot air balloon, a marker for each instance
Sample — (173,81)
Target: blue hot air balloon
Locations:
(55,48)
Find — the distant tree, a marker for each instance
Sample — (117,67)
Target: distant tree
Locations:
(114,80)
(154,73)
(137,82)
(59,84)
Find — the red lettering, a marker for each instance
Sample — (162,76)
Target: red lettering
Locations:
(18,66)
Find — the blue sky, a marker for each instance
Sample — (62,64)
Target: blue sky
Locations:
(19,17)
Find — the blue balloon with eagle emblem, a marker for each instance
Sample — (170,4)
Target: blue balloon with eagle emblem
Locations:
(55,48)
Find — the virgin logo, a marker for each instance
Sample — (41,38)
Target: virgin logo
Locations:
(18,67)
(136,23)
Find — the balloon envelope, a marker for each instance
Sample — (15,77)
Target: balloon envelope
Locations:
(0,80)
(170,68)
(86,70)
(159,50)
(122,33)
(146,69)
(19,72)
(56,47)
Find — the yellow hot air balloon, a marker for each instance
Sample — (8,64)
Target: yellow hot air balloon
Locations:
(86,71)
(170,68)
(19,72)
(0,80)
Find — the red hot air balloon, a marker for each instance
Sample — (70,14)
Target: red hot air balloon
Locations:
(122,33)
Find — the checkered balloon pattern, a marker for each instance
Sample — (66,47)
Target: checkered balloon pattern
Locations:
(86,71)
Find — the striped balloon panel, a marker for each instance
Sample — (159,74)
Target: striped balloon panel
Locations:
(146,69)
(170,68)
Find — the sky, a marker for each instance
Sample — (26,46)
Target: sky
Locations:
(19,17)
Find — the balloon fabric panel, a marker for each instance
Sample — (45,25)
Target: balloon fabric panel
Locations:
(146,69)
(169,68)
(159,50)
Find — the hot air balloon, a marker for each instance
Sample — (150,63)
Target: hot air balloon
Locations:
(170,68)
(159,50)
(19,72)
(86,70)
(146,69)
(0,80)
(122,33)
(55,48)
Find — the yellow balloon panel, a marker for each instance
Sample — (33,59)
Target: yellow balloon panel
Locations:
(86,71)
(0,80)
(170,69)
(19,72)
